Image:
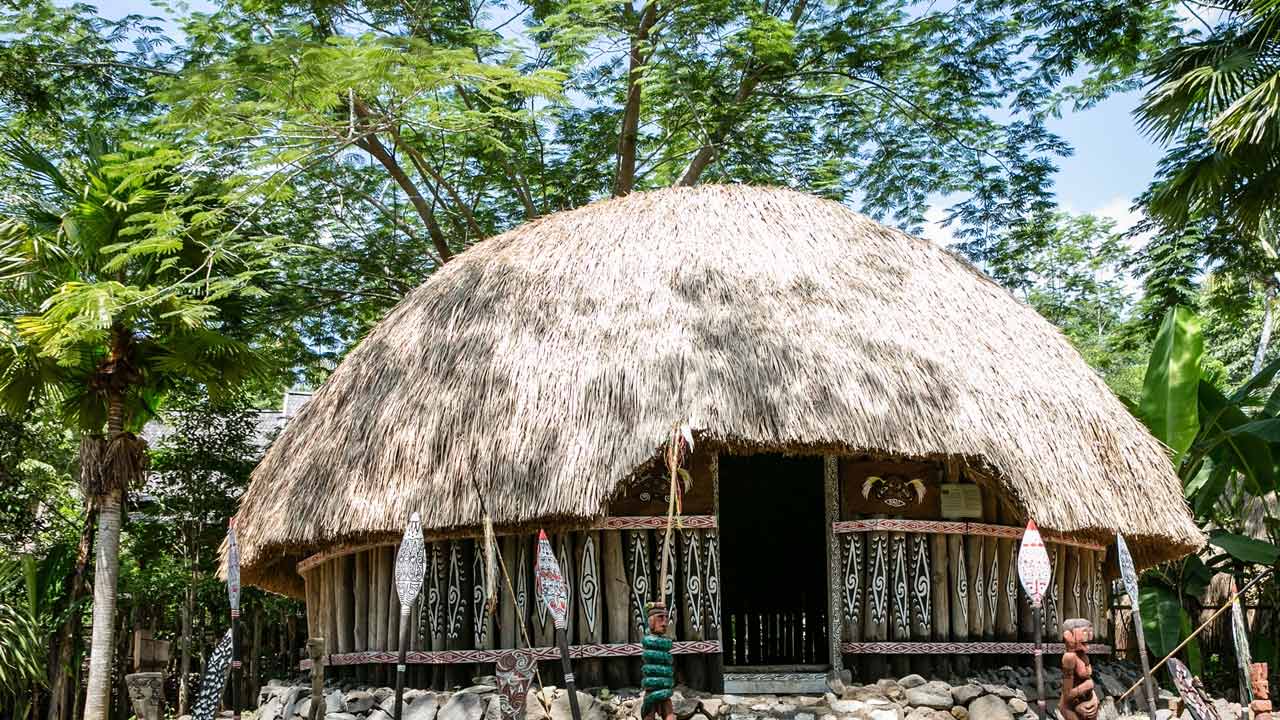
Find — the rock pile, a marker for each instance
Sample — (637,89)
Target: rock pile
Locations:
(995,694)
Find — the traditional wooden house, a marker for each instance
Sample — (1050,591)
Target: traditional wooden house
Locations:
(875,420)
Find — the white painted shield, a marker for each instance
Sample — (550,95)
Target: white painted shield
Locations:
(1034,570)
(551,582)
(411,564)
(233,568)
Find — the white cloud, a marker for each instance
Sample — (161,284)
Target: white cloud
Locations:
(935,230)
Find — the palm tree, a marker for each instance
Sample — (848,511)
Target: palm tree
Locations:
(119,280)
(1215,100)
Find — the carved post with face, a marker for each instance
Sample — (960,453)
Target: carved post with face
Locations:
(659,668)
(1261,704)
(1079,701)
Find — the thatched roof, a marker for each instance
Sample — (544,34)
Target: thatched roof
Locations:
(548,363)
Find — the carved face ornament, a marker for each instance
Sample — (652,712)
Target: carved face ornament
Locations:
(893,490)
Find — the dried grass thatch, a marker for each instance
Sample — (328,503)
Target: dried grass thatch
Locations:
(551,361)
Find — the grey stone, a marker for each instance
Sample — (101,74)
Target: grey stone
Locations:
(733,699)
(989,707)
(999,690)
(845,707)
(379,714)
(303,708)
(591,708)
(480,689)
(383,693)
(960,713)
(533,707)
(359,702)
(422,706)
(919,713)
(806,700)
(684,707)
(935,694)
(462,706)
(965,694)
(712,706)
(1017,706)
(912,681)
(804,716)
(334,702)
(340,716)
(1110,684)
(272,709)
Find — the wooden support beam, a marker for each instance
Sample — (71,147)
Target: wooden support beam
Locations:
(959,573)
(591,620)
(920,584)
(1072,605)
(1007,588)
(381,589)
(360,589)
(991,563)
(876,626)
(616,592)
(508,630)
(940,567)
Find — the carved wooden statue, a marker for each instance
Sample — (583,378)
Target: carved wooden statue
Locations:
(1261,705)
(1079,701)
(658,669)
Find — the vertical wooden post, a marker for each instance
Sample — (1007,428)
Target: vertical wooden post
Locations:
(1072,607)
(590,631)
(899,600)
(458,618)
(853,555)
(508,631)
(315,649)
(381,589)
(360,588)
(617,602)
(991,559)
(920,578)
(330,604)
(311,584)
(714,621)
(393,603)
(940,574)
(1053,597)
(959,587)
(437,604)
(976,565)
(692,615)
(641,579)
(1007,574)
(876,628)
(346,602)
(831,497)
(481,616)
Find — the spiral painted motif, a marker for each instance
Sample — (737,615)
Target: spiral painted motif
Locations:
(589,585)
(879,582)
(923,586)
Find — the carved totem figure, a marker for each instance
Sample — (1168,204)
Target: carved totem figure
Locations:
(658,669)
(1079,701)
(1261,705)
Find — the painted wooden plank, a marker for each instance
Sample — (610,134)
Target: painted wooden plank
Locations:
(853,556)
(977,569)
(591,620)
(1006,624)
(360,609)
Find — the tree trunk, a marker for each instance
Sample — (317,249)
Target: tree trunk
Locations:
(625,179)
(184,677)
(64,652)
(105,572)
(1268,297)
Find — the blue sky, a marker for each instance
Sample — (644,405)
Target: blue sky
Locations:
(1112,162)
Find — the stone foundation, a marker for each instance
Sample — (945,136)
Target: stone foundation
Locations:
(998,694)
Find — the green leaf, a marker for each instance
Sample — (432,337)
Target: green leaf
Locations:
(1244,451)
(1193,648)
(1161,618)
(1168,404)
(1245,549)
(1267,430)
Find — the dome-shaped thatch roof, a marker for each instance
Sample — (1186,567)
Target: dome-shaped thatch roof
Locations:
(549,363)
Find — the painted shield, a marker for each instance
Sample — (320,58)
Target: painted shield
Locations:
(411,564)
(1192,696)
(514,673)
(1034,570)
(1128,573)
(551,582)
(233,568)
(214,681)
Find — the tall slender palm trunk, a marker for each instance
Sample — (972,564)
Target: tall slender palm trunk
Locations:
(97,703)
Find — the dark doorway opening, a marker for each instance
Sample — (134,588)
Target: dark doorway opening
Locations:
(773,561)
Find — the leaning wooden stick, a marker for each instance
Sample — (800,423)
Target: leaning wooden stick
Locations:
(411,567)
(1196,632)
(233,595)
(1129,574)
(556,596)
(1035,573)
